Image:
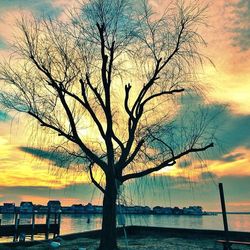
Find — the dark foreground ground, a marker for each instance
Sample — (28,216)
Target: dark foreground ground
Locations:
(147,238)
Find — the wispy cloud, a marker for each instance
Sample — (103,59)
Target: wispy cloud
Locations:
(81,193)
(40,8)
(60,159)
(233,157)
(241,24)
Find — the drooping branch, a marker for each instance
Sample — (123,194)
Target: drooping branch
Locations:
(61,94)
(138,106)
(91,155)
(91,53)
(158,68)
(167,163)
(177,47)
(162,142)
(48,125)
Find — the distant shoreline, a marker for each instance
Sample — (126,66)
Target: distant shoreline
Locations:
(54,206)
(209,213)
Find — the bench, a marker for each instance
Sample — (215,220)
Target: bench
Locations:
(227,244)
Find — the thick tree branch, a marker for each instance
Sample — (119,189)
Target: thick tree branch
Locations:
(169,162)
(177,47)
(104,57)
(91,111)
(146,88)
(133,155)
(106,86)
(111,61)
(118,141)
(45,124)
(94,180)
(170,92)
(127,91)
(98,96)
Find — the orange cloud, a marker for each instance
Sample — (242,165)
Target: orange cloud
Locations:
(238,167)
(242,206)
(22,169)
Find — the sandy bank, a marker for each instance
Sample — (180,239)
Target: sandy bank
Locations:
(144,238)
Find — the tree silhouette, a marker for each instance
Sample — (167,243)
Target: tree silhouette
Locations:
(108,82)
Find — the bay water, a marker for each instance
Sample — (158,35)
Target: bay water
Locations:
(75,223)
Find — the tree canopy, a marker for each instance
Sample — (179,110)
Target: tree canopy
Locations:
(109,81)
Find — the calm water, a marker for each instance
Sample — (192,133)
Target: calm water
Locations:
(78,223)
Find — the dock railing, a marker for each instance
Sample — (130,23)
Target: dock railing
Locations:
(20,231)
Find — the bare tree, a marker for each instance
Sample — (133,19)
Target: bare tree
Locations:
(108,82)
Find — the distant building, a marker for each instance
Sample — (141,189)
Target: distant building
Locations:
(193,210)
(177,211)
(134,209)
(8,208)
(67,210)
(89,209)
(98,209)
(40,209)
(77,208)
(139,209)
(147,210)
(54,206)
(26,207)
(168,210)
(128,209)
(162,210)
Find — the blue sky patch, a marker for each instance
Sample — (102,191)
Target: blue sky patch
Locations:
(4,117)
(39,8)
(2,44)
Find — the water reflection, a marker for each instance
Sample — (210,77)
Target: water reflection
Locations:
(25,218)
(7,219)
(80,223)
(74,223)
(237,222)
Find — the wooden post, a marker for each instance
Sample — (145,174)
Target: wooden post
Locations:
(55,221)
(16,221)
(47,224)
(33,225)
(59,220)
(224,215)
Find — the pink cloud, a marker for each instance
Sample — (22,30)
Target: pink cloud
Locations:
(8,27)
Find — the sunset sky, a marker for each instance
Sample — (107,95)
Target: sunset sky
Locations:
(23,176)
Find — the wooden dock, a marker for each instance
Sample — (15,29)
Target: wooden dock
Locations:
(19,232)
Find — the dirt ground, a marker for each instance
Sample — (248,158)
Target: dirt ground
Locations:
(145,242)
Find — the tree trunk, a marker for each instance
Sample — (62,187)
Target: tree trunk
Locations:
(108,235)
